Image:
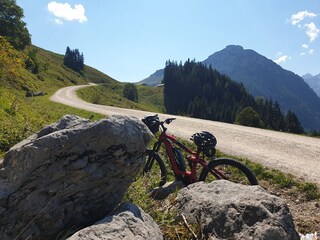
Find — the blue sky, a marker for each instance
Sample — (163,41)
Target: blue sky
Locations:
(129,40)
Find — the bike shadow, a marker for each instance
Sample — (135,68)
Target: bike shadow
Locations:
(164,191)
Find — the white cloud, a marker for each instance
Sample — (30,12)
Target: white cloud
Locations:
(298,17)
(305,46)
(63,11)
(282,59)
(58,21)
(311,51)
(312,31)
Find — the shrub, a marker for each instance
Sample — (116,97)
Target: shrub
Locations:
(130,92)
(248,117)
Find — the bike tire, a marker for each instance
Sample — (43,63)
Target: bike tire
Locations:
(231,169)
(162,167)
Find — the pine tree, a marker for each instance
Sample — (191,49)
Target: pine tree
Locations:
(74,59)
(293,124)
(278,118)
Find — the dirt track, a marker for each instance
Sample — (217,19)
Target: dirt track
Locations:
(298,155)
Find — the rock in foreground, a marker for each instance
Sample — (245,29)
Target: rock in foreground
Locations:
(69,175)
(127,222)
(226,210)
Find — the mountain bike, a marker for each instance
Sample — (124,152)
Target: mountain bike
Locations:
(181,158)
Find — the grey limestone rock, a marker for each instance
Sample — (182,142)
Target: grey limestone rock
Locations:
(226,210)
(126,222)
(69,175)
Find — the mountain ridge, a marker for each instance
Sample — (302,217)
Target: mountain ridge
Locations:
(313,82)
(263,77)
(154,79)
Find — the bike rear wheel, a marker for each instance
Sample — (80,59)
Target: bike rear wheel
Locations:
(158,172)
(228,169)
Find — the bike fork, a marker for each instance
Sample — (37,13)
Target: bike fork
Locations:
(149,162)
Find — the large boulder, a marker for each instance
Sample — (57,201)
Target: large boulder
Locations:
(226,210)
(126,222)
(69,175)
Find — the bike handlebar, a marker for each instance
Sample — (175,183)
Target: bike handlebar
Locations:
(169,120)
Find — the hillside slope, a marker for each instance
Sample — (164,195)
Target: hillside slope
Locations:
(54,74)
(20,116)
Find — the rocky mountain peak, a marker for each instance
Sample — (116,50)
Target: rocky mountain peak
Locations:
(234,48)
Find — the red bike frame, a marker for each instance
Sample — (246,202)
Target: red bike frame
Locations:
(193,159)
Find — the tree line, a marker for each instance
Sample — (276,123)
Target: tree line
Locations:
(196,90)
(74,59)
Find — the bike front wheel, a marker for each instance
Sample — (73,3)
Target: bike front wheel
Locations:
(158,171)
(228,169)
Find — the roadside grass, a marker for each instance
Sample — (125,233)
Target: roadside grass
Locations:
(150,98)
(166,218)
(283,181)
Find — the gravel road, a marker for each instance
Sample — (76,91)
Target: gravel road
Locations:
(298,155)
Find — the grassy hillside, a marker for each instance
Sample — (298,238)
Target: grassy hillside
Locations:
(20,116)
(53,74)
(150,98)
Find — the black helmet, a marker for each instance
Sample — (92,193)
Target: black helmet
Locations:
(152,123)
(205,142)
